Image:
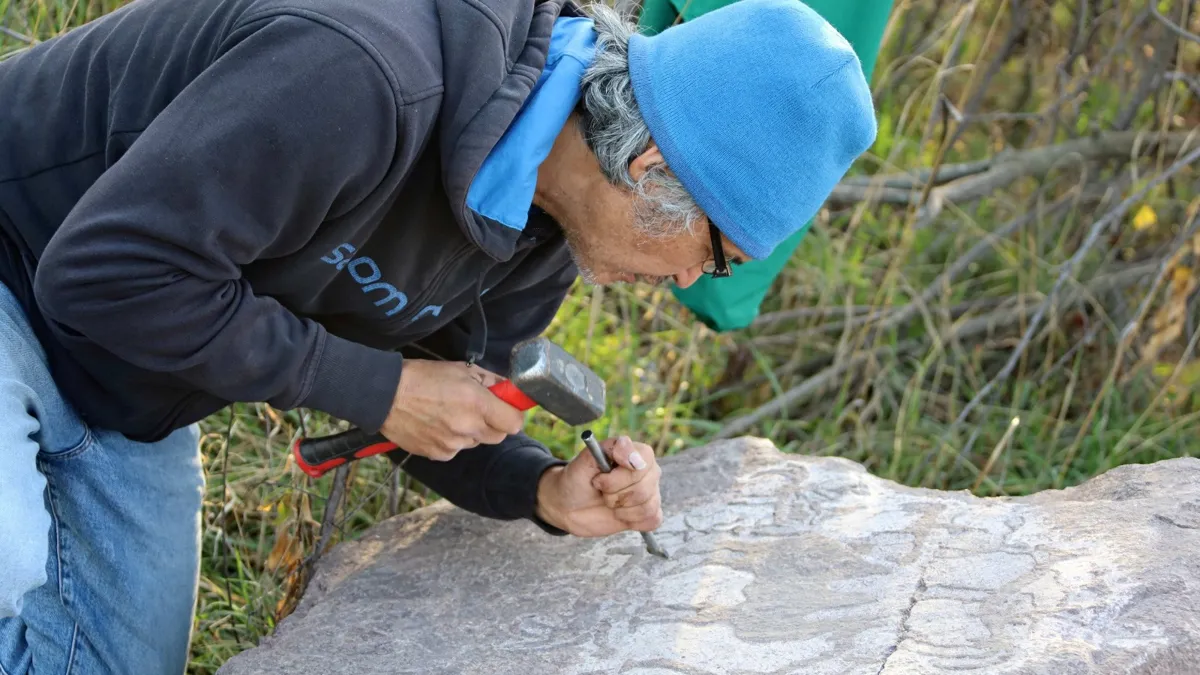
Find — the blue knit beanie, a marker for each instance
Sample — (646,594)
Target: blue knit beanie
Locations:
(759,107)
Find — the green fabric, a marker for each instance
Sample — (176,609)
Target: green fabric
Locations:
(732,303)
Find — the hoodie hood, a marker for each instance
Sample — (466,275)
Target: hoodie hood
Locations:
(504,187)
(473,118)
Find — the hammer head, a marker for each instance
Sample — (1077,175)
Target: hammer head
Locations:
(557,382)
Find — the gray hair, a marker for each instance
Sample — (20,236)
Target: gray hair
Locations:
(614,129)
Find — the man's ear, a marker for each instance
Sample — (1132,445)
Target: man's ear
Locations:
(642,163)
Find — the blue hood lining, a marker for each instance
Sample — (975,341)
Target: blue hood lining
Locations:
(504,186)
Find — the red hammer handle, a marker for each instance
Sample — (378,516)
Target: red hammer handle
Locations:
(316,456)
(508,392)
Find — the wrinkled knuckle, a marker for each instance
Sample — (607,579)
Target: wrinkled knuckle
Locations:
(463,429)
(476,401)
(626,498)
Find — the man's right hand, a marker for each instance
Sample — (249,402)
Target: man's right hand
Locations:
(442,407)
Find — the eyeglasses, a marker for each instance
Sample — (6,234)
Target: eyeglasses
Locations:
(717,266)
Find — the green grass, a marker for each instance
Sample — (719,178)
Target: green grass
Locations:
(675,384)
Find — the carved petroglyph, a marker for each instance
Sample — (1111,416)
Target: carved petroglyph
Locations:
(779,565)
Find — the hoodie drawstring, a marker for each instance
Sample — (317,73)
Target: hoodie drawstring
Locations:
(477,342)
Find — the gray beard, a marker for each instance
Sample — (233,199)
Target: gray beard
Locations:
(586,274)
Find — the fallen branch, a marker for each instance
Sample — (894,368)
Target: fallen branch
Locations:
(971,328)
(917,179)
(848,194)
(1008,168)
(905,312)
(819,382)
(900,315)
(976,118)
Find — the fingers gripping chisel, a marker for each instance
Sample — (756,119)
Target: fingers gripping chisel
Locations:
(589,439)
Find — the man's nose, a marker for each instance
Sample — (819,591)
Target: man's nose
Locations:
(688,276)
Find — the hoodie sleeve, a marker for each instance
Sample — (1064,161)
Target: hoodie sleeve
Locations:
(500,481)
(494,481)
(295,123)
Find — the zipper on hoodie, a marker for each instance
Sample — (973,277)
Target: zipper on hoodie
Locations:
(417,302)
(477,336)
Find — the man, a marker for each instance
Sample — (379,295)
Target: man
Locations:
(356,207)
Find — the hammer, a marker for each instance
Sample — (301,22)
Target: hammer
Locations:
(541,373)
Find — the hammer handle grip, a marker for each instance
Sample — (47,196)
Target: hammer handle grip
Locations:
(508,392)
(316,456)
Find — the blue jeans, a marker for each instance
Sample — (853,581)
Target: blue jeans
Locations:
(99,535)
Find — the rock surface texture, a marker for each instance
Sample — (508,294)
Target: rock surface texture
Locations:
(779,564)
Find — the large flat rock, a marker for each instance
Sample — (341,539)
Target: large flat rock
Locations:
(780,564)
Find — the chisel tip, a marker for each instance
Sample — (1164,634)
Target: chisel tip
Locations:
(653,548)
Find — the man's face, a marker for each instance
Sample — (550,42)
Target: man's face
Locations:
(613,250)
(609,247)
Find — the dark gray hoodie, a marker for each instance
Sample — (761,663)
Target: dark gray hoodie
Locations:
(208,201)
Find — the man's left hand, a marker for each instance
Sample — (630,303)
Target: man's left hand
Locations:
(586,502)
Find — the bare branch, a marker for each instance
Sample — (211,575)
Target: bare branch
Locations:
(1171,25)
(976,252)
(1002,320)
(905,313)
(1068,272)
(809,313)
(1152,67)
(996,117)
(1094,70)
(17,36)
(963,19)
(394,494)
(1017,31)
(1081,40)
(1192,82)
(1127,336)
(1007,168)
(853,194)
(336,494)
(917,179)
